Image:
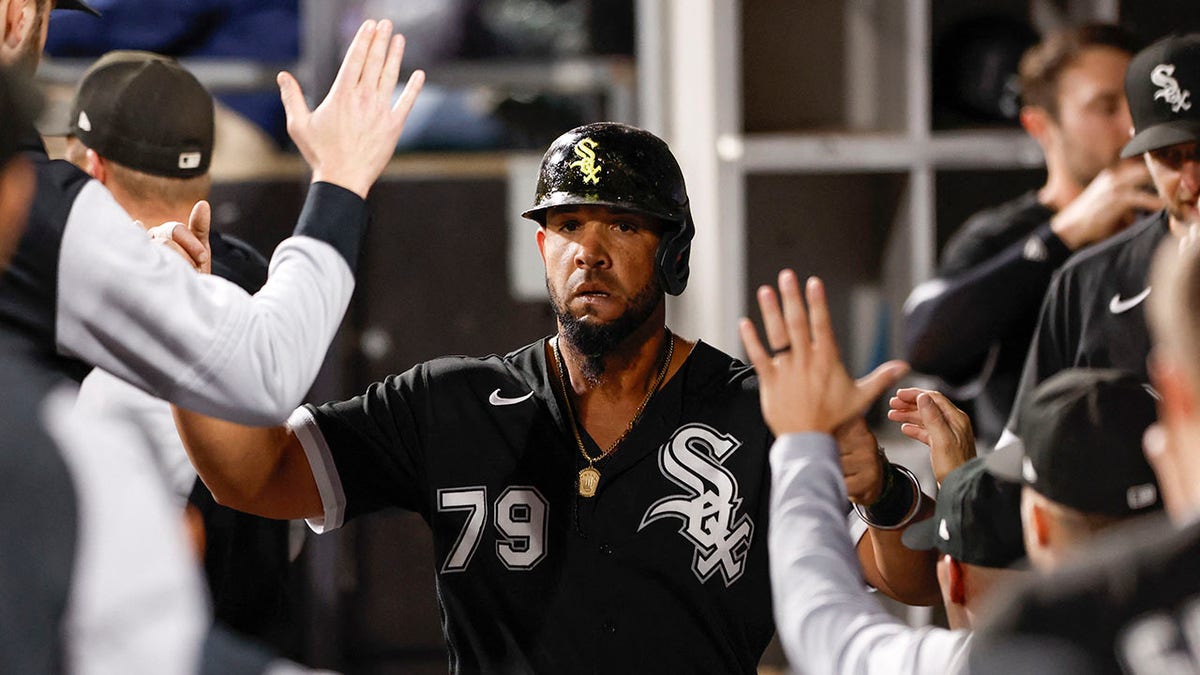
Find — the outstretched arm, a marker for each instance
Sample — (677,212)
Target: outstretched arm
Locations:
(827,621)
(199,341)
(259,470)
(888,565)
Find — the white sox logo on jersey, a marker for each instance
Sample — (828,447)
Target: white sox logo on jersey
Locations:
(693,460)
(1170,91)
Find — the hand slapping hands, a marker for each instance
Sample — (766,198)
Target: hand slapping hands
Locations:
(803,385)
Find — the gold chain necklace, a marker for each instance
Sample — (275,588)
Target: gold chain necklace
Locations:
(589,477)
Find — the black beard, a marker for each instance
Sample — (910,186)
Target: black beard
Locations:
(597,340)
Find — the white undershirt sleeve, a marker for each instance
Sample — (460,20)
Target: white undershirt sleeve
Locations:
(324,470)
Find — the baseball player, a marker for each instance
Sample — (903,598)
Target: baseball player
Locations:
(1131,605)
(972,324)
(598,499)
(1093,311)
(135,118)
(95,573)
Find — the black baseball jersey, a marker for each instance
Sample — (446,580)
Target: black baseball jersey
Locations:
(1093,315)
(664,570)
(1131,607)
(246,557)
(38,512)
(972,324)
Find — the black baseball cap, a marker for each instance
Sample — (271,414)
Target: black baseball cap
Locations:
(977,519)
(1078,442)
(76,4)
(147,112)
(1161,84)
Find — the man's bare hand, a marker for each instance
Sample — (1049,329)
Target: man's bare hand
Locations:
(929,417)
(351,136)
(803,385)
(189,241)
(861,465)
(1108,205)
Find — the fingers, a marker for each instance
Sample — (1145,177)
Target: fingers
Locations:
(916,432)
(356,56)
(390,74)
(772,317)
(932,416)
(880,380)
(409,96)
(1141,199)
(294,105)
(199,222)
(912,416)
(754,349)
(200,219)
(377,55)
(196,250)
(795,318)
(820,324)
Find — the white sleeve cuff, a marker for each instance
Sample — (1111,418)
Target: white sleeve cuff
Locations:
(324,470)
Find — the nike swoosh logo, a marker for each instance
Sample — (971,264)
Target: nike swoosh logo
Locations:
(497,399)
(1119,306)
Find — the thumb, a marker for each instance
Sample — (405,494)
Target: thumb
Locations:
(293,99)
(872,386)
(932,417)
(200,220)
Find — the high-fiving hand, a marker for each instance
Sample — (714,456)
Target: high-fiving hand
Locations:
(350,137)
(803,385)
(929,417)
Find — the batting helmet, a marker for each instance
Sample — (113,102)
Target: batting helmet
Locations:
(610,164)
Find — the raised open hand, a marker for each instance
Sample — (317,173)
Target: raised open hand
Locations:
(350,137)
(929,417)
(803,385)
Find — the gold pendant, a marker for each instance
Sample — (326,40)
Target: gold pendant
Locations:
(589,478)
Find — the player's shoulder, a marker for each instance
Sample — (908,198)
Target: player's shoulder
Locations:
(711,369)
(525,363)
(1137,241)
(1110,581)
(1023,213)
(58,186)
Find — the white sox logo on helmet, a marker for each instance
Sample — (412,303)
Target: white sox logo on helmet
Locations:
(693,459)
(1170,91)
(587,163)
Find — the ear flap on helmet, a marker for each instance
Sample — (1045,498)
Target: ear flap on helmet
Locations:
(673,253)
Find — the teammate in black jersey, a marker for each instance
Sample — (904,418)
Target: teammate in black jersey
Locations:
(1093,312)
(1133,605)
(599,498)
(972,324)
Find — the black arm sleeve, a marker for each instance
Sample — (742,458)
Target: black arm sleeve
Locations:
(952,322)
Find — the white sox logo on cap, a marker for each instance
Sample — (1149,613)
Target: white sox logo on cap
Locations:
(1169,89)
